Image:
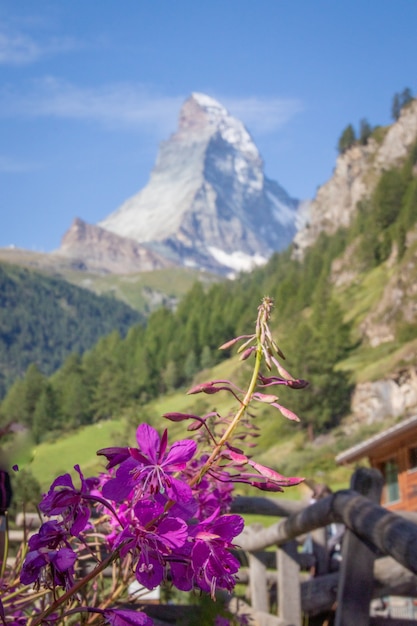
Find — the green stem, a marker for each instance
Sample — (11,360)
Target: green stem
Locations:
(4,542)
(235,421)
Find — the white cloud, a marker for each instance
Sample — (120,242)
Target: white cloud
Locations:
(19,49)
(263,115)
(115,105)
(134,107)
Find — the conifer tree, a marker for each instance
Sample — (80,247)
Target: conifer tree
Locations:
(365,131)
(347,139)
(45,414)
(396,107)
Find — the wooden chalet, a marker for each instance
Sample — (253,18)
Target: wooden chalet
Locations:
(394,453)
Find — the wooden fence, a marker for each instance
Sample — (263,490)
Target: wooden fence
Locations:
(378,558)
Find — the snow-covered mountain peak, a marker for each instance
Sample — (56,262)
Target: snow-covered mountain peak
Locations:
(217,119)
(213,107)
(208,203)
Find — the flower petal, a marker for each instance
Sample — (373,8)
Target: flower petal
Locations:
(149,441)
(125,617)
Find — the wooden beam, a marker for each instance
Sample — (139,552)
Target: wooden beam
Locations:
(266,506)
(390,533)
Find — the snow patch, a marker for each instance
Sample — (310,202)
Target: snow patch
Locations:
(231,129)
(282,212)
(238,261)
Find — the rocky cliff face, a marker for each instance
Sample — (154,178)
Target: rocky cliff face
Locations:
(208,203)
(354,178)
(389,398)
(97,249)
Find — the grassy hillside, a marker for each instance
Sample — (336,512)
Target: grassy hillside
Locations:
(282,444)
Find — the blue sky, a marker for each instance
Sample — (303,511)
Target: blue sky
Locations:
(89,88)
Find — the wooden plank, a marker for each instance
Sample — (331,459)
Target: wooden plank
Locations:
(390,621)
(356,576)
(319,537)
(289,595)
(258,583)
(170,613)
(392,578)
(240,608)
(318,595)
(266,506)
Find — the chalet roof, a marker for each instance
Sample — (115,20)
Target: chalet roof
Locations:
(363,449)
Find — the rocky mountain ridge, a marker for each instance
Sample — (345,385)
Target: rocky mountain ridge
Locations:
(102,250)
(354,178)
(207,205)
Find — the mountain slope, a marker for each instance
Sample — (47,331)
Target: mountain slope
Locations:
(43,320)
(143,291)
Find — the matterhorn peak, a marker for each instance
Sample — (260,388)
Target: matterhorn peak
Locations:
(213,117)
(207,203)
(201,112)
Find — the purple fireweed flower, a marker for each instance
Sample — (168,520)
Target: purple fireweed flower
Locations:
(34,563)
(64,499)
(209,493)
(150,468)
(125,617)
(51,534)
(115,456)
(61,562)
(152,536)
(213,564)
(182,573)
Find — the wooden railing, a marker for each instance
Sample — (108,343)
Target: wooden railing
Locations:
(379,556)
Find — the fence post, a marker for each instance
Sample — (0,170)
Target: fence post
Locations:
(320,551)
(289,593)
(258,583)
(356,578)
